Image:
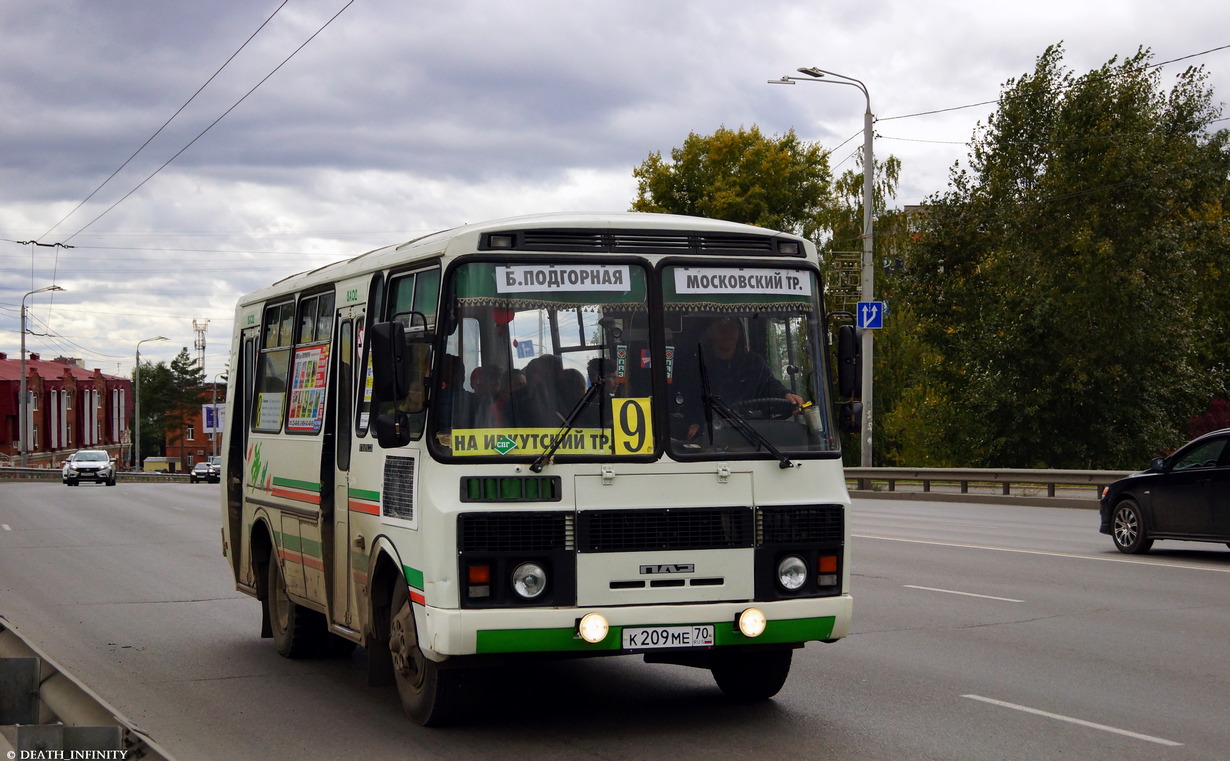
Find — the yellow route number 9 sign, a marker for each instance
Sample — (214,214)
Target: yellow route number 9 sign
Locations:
(633,425)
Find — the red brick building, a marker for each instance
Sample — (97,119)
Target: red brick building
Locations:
(197,443)
(70,408)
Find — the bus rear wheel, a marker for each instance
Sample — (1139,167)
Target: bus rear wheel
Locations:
(751,676)
(296,630)
(430,695)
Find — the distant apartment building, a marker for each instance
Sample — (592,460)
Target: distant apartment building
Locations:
(202,433)
(68,408)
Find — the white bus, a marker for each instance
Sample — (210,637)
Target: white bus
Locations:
(553,435)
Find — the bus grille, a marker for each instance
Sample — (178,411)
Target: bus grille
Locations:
(808,524)
(514,532)
(664,529)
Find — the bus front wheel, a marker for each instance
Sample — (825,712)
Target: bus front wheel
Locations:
(430,695)
(751,676)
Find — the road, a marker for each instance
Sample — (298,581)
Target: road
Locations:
(980,632)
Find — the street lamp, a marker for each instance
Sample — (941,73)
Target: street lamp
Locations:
(213,411)
(867,288)
(136,403)
(23,427)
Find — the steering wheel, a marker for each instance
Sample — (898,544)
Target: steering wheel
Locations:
(764,408)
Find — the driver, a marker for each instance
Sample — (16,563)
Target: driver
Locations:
(736,374)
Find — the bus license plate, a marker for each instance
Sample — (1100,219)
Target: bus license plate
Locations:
(651,637)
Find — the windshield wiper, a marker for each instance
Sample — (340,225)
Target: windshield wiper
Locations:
(714,403)
(569,421)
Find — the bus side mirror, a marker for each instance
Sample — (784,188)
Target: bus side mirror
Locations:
(390,371)
(401,369)
(392,429)
(849,416)
(849,361)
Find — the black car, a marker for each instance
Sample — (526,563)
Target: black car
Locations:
(1183,496)
(204,471)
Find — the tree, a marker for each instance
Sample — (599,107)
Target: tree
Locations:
(154,393)
(171,397)
(780,183)
(188,389)
(1053,281)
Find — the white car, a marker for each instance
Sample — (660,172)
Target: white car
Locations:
(89,465)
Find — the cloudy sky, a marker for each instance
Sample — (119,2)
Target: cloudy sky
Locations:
(397,118)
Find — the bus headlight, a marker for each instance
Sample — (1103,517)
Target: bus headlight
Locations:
(529,580)
(593,628)
(791,573)
(751,622)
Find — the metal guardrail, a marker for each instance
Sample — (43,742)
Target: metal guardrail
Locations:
(53,474)
(45,713)
(1018,486)
(1013,486)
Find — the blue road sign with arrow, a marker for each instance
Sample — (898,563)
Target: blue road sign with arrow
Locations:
(871,315)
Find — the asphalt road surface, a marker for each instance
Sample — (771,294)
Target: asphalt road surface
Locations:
(980,632)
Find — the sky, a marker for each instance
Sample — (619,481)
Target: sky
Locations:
(192,152)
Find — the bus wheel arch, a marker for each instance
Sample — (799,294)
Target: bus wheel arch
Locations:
(430,692)
(297,631)
(261,549)
(385,570)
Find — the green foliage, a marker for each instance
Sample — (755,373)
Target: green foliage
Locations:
(170,399)
(780,183)
(1069,289)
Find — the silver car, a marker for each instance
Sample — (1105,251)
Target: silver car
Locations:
(89,465)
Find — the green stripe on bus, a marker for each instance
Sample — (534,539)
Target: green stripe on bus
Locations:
(777,632)
(414,577)
(539,641)
(560,640)
(302,546)
(294,484)
(371,496)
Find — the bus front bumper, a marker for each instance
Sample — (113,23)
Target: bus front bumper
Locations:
(451,632)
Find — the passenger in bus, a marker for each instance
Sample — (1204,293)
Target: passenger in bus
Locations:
(455,405)
(490,398)
(735,374)
(597,413)
(572,388)
(537,404)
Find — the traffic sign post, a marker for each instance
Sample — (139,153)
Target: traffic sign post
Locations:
(870,315)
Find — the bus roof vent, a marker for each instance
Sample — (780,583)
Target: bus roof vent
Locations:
(735,244)
(642,242)
(562,240)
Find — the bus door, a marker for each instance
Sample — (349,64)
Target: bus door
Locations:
(243,379)
(346,346)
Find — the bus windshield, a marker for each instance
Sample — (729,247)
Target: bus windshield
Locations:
(557,358)
(745,368)
(546,356)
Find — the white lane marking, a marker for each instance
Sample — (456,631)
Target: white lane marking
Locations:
(6,527)
(963,594)
(1072,720)
(1043,552)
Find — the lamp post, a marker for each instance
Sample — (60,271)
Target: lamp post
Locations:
(213,411)
(867,286)
(23,426)
(136,403)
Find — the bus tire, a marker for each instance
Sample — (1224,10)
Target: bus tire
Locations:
(430,695)
(751,676)
(296,630)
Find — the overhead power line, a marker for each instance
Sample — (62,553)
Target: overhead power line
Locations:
(178,111)
(213,123)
